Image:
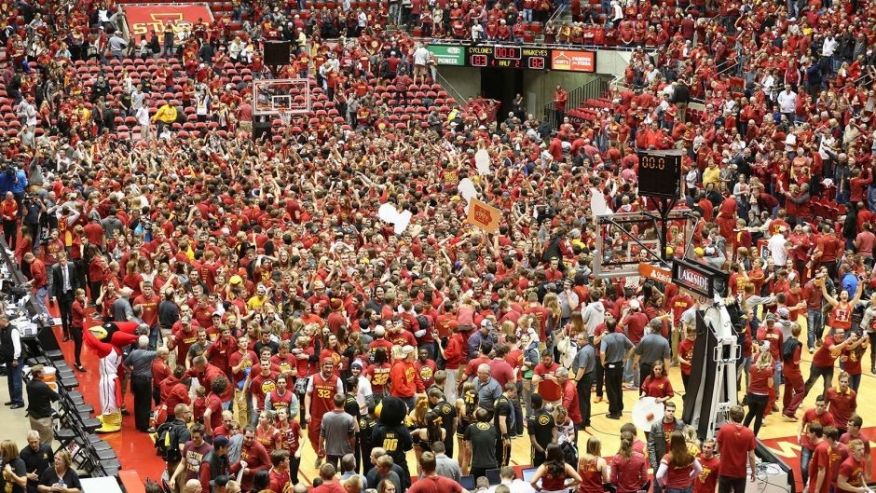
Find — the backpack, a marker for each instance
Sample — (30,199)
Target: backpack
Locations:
(788,348)
(167,442)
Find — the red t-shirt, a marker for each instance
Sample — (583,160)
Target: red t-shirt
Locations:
(471,368)
(630,473)
(839,455)
(677,477)
(214,404)
(635,326)
(811,416)
(734,443)
(379,377)
(279,480)
(853,471)
(852,364)
(706,481)
(330,487)
(262,385)
(542,370)
(841,405)
(820,458)
(759,381)
(427,371)
(435,484)
(290,438)
(685,352)
(846,438)
(502,371)
(823,357)
(234,360)
(657,387)
(150,308)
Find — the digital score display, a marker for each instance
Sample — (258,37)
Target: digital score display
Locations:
(515,57)
(659,174)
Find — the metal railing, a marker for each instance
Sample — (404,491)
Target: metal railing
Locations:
(724,67)
(596,88)
(460,100)
(863,80)
(560,10)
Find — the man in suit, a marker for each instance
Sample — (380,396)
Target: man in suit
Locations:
(64,285)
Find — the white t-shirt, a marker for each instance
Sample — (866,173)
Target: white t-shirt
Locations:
(787,101)
(143,116)
(421,56)
(777,249)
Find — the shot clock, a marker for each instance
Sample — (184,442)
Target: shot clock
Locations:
(660,174)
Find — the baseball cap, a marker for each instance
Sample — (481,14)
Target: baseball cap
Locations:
(220,442)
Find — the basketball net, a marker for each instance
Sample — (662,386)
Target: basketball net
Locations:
(286,117)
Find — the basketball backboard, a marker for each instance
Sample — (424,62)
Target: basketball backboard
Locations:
(279,97)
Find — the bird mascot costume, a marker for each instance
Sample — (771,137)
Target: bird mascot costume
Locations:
(107,340)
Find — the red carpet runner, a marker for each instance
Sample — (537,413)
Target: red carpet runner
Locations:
(135,449)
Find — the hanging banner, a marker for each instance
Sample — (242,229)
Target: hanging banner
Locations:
(143,19)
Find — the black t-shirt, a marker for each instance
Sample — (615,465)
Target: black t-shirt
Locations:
(49,478)
(541,426)
(19,469)
(447,413)
(503,407)
(351,407)
(273,345)
(397,441)
(366,431)
(36,461)
(483,437)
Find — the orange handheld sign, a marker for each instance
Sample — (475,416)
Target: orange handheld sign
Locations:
(484,216)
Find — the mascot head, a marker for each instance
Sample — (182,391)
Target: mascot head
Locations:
(391,411)
(117,334)
(103,332)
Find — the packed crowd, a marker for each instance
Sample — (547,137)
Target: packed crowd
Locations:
(271,302)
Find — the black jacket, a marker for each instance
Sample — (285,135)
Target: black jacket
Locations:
(58,279)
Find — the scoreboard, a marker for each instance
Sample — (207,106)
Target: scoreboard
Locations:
(517,57)
(514,57)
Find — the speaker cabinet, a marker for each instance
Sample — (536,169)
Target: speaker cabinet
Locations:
(277,53)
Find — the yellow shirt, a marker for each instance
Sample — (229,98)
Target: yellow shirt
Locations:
(255,303)
(166,114)
(711,175)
